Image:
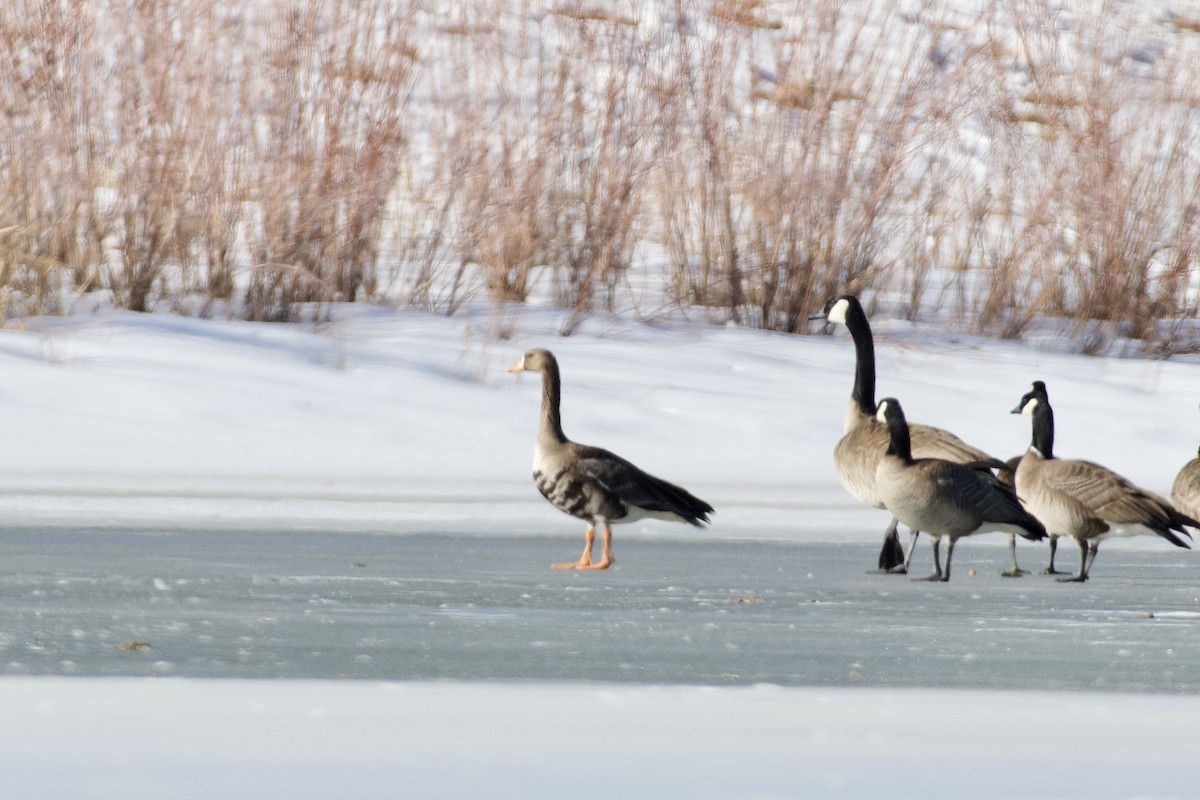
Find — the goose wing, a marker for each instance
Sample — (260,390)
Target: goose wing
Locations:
(931,442)
(1105,493)
(982,494)
(628,485)
(1115,499)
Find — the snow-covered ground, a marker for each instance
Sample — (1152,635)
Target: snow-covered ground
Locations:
(295,739)
(264,504)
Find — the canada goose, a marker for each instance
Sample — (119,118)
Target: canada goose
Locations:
(1185,492)
(944,499)
(1084,500)
(594,484)
(865,438)
(1009,476)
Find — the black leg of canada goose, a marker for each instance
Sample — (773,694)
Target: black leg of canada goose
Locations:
(936,541)
(1083,565)
(585,560)
(912,548)
(949,555)
(1093,548)
(891,555)
(1014,571)
(1050,570)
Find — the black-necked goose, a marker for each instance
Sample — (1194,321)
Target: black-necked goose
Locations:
(946,500)
(1009,475)
(865,438)
(1185,491)
(1084,500)
(591,483)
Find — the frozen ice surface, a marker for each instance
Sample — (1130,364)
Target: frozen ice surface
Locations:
(302,605)
(695,668)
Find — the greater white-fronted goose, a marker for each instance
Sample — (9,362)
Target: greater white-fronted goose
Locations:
(591,483)
(865,438)
(1084,500)
(946,500)
(1185,492)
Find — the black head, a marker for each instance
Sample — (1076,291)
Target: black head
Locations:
(891,414)
(889,410)
(1036,392)
(839,308)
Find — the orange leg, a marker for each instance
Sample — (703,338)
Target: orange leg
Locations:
(585,560)
(606,556)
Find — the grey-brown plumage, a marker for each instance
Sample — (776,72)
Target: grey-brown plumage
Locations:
(865,438)
(1185,492)
(591,483)
(1085,500)
(946,500)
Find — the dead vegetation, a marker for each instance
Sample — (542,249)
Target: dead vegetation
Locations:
(748,157)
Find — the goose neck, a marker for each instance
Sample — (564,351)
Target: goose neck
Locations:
(864,370)
(551,421)
(1043,429)
(900,443)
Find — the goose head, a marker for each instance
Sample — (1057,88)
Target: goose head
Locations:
(891,414)
(889,409)
(535,360)
(1036,396)
(839,309)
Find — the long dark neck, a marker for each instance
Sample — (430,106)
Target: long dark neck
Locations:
(900,445)
(864,349)
(551,422)
(1043,429)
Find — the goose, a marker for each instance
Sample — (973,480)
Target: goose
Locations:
(1009,476)
(591,483)
(1185,492)
(865,438)
(942,498)
(1084,500)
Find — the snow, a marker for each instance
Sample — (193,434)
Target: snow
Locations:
(309,561)
(300,739)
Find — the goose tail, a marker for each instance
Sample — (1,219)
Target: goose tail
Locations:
(663,497)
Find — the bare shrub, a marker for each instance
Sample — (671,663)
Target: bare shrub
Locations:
(606,133)
(497,130)
(270,157)
(159,116)
(769,210)
(840,170)
(329,136)
(1107,213)
(557,149)
(49,165)
(697,158)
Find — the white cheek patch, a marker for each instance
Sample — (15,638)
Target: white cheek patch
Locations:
(1028,408)
(881,412)
(837,314)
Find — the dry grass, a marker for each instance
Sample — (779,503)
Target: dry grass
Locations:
(260,160)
